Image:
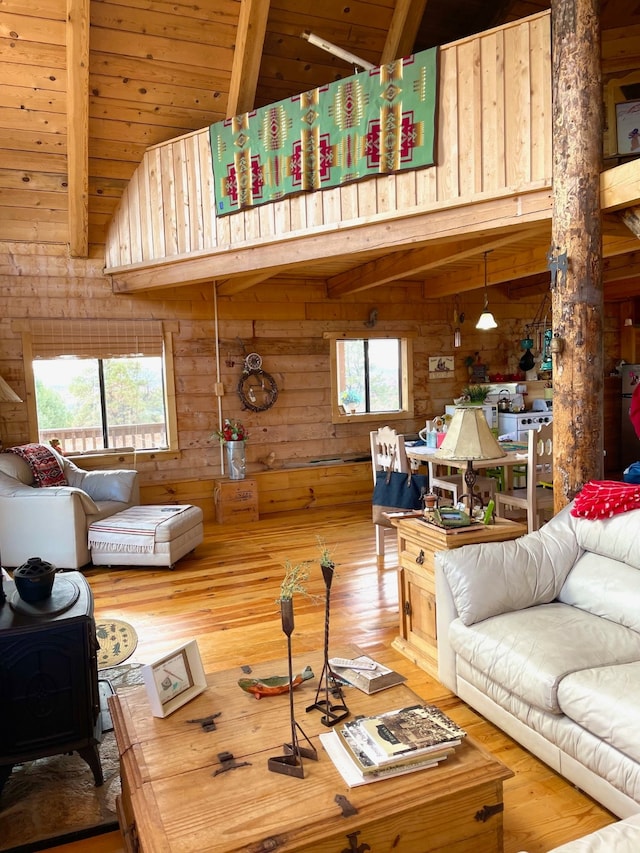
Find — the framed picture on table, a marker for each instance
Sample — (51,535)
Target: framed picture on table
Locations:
(174,679)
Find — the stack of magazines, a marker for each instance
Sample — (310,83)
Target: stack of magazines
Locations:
(370,748)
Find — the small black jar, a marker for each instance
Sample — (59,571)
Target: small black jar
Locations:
(34,579)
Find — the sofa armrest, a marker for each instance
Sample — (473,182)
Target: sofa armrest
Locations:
(445,614)
(498,577)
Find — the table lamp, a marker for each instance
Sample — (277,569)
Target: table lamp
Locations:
(469,439)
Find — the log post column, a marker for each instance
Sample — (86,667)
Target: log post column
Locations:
(577,294)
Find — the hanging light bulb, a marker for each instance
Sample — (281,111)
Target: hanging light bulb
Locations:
(486,319)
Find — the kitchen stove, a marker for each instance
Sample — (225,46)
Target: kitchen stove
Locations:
(517,425)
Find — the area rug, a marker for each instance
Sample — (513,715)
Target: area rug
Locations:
(54,800)
(117,640)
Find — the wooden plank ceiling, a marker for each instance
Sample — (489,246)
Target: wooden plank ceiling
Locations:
(88,85)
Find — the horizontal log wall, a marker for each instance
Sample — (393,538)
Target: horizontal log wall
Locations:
(284,322)
(491,137)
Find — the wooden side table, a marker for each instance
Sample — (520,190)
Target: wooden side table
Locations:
(417,543)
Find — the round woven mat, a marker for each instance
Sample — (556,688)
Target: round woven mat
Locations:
(117,641)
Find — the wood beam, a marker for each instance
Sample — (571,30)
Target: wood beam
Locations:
(231,286)
(247,55)
(482,217)
(77,51)
(577,295)
(620,186)
(402,265)
(405,23)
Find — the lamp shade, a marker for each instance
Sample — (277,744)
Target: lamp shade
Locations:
(7,394)
(486,320)
(469,437)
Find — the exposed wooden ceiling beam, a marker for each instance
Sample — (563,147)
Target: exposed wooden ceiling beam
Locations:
(77,50)
(510,268)
(252,26)
(403,31)
(410,264)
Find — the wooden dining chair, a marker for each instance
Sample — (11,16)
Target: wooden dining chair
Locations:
(387,453)
(537,498)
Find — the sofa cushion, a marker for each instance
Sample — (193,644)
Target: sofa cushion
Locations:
(615,537)
(109,485)
(605,587)
(605,701)
(16,467)
(530,651)
(492,578)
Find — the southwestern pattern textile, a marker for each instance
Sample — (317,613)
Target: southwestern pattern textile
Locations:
(372,123)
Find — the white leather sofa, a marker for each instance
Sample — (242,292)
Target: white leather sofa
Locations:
(541,635)
(53,522)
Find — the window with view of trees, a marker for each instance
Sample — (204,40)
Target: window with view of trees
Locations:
(371,376)
(101,385)
(99,404)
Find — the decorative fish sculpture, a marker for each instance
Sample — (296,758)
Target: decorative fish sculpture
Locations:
(274,685)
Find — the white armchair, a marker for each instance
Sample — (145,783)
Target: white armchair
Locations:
(53,522)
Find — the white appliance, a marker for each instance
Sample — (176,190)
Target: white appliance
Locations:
(629,443)
(490,412)
(518,425)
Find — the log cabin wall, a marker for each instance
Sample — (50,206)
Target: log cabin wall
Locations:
(284,321)
(493,138)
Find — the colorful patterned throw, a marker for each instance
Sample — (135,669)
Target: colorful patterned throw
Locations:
(373,123)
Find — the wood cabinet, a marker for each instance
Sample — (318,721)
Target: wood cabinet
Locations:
(417,544)
(630,344)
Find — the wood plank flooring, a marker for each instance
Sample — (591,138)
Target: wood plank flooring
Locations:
(224,596)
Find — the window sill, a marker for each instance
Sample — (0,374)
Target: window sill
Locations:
(371,417)
(125,456)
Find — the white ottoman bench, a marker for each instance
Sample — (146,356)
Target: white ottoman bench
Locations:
(146,536)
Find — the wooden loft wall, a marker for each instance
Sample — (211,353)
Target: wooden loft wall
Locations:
(493,140)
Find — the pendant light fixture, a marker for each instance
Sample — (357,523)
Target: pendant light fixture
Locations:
(486,319)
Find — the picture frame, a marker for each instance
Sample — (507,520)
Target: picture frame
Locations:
(174,679)
(441,366)
(628,127)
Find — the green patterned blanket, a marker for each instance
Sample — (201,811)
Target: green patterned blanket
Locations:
(373,123)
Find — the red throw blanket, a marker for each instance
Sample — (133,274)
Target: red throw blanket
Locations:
(43,463)
(604,498)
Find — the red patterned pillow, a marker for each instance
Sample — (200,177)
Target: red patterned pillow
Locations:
(43,463)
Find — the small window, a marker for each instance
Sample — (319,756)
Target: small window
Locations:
(371,378)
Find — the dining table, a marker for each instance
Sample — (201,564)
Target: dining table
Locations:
(515,455)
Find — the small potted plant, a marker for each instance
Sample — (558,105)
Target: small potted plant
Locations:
(477,394)
(350,398)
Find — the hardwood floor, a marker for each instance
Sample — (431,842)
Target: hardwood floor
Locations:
(224,596)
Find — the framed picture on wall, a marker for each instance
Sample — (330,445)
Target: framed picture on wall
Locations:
(174,679)
(441,365)
(628,127)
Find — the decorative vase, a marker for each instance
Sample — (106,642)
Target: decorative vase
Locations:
(34,579)
(236,460)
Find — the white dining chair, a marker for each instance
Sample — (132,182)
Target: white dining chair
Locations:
(537,498)
(387,453)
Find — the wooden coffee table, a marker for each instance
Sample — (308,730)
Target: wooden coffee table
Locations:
(173,799)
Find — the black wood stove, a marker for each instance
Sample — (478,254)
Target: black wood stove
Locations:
(49,699)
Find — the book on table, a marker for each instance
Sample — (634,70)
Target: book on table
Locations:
(403,734)
(393,743)
(352,772)
(369,681)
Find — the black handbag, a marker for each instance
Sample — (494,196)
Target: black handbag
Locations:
(395,491)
